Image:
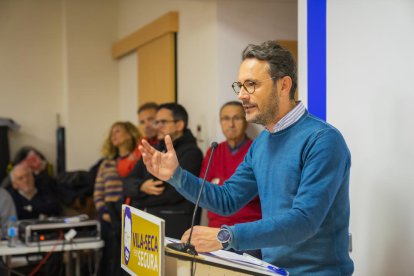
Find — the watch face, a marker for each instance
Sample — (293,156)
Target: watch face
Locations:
(223,235)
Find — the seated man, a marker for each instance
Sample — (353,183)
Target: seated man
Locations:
(37,163)
(30,202)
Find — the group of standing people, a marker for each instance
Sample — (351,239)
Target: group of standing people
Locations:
(287,192)
(123,178)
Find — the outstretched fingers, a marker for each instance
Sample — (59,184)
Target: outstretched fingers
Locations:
(146,148)
(160,164)
(155,162)
(147,153)
(169,144)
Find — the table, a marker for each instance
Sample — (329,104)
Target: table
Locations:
(76,247)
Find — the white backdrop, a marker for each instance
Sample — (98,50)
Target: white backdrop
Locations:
(370,63)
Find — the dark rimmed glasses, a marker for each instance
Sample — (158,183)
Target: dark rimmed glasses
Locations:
(248,85)
(163,122)
(235,118)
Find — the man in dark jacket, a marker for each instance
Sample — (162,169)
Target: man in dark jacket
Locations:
(31,202)
(160,198)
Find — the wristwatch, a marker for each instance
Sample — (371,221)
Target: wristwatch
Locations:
(224,237)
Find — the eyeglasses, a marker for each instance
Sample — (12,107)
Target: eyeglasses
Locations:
(227,119)
(163,122)
(248,85)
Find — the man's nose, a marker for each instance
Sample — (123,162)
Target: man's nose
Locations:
(243,94)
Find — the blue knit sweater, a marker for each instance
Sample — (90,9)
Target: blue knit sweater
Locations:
(302,177)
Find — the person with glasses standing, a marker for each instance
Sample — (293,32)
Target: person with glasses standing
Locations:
(155,196)
(228,155)
(299,166)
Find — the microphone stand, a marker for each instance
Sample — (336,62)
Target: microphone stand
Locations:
(187,247)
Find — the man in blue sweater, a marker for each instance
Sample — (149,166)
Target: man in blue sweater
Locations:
(299,166)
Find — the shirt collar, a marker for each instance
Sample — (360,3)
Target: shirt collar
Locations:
(237,147)
(290,118)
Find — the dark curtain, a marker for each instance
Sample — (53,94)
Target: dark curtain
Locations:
(4,151)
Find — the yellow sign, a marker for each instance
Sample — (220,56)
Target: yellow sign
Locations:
(142,243)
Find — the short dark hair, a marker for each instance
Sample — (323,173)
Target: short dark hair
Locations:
(232,103)
(178,112)
(146,106)
(281,61)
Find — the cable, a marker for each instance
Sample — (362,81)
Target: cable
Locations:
(193,265)
(43,261)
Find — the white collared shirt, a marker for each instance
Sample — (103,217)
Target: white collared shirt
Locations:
(290,118)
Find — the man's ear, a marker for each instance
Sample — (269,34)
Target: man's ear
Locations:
(285,86)
(180,125)
(14,184)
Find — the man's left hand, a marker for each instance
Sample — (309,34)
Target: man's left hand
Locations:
(204,238)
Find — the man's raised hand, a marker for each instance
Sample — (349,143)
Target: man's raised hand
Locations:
(160,164)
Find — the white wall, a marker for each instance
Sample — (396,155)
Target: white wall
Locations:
(128,73)
(370,62)
(55,59)
(240,23)
(196,51)
(31,71)
(91,78)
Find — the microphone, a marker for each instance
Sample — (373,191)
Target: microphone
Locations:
(187,247)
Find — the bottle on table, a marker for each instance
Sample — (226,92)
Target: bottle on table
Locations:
(12,231)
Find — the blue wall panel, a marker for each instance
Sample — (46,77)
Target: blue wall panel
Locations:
(317,57)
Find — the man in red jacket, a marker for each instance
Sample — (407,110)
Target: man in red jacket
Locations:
(227,157)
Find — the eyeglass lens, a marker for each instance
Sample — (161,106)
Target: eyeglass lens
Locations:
(248,85)
(229,119)
(162,122)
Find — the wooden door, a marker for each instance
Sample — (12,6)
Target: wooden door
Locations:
(155,45)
